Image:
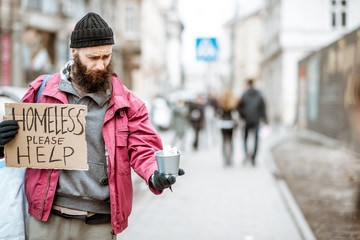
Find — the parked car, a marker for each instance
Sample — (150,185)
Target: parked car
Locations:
(14,93)
(161,114)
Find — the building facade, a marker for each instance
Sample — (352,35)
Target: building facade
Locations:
(161,28)
(247,55)
(35,35)
(329,91)
(293,29)
(35,39)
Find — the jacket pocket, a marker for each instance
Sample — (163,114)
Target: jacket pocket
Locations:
(121,138)
(121,152)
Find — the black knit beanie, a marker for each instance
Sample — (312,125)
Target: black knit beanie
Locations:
(91,31)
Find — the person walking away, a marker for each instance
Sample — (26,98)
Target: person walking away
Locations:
(93,204)
(252,109)
(226,107)
(196,116)
(180,111)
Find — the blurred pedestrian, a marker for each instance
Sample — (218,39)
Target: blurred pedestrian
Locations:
(227,123)
(252,109)
(197,116)
(93,204)
(180,113)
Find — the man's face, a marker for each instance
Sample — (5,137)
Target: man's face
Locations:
(95,59)
(92,68)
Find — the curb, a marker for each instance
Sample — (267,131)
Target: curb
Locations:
(296,214)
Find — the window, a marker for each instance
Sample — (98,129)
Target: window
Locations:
(130,15)
(338,13)
(131,20)
(343,19)
(333,19)
(343,13)
(49,6)
(32,4)
(333,13)
(45,6)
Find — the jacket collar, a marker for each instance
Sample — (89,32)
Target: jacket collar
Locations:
(119,97)
(52,89)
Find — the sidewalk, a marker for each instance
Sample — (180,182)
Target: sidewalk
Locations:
(213,202)
(323,175)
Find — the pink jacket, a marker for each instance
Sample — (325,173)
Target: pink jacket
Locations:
(130,140)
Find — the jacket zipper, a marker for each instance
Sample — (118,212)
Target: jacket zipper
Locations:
(47,190)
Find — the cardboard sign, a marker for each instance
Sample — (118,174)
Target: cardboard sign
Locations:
(49,136)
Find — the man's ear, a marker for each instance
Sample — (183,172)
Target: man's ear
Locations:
(73,52)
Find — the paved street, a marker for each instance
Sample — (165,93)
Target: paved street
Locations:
(213,202)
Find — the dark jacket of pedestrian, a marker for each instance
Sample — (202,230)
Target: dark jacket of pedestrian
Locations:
(197,114)
(252,107)
(197,118)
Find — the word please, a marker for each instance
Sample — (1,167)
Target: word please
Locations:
(44,140)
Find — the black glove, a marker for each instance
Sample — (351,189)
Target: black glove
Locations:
(8,130)
(160,181)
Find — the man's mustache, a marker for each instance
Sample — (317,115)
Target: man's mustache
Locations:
(93,72)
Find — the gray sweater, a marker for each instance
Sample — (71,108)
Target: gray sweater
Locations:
(86,190)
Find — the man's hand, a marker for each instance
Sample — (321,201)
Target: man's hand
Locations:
(8,130)
(160,181)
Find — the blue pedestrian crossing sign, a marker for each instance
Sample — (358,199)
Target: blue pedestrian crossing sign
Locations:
(206,49)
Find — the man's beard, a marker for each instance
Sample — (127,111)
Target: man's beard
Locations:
(91,81)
